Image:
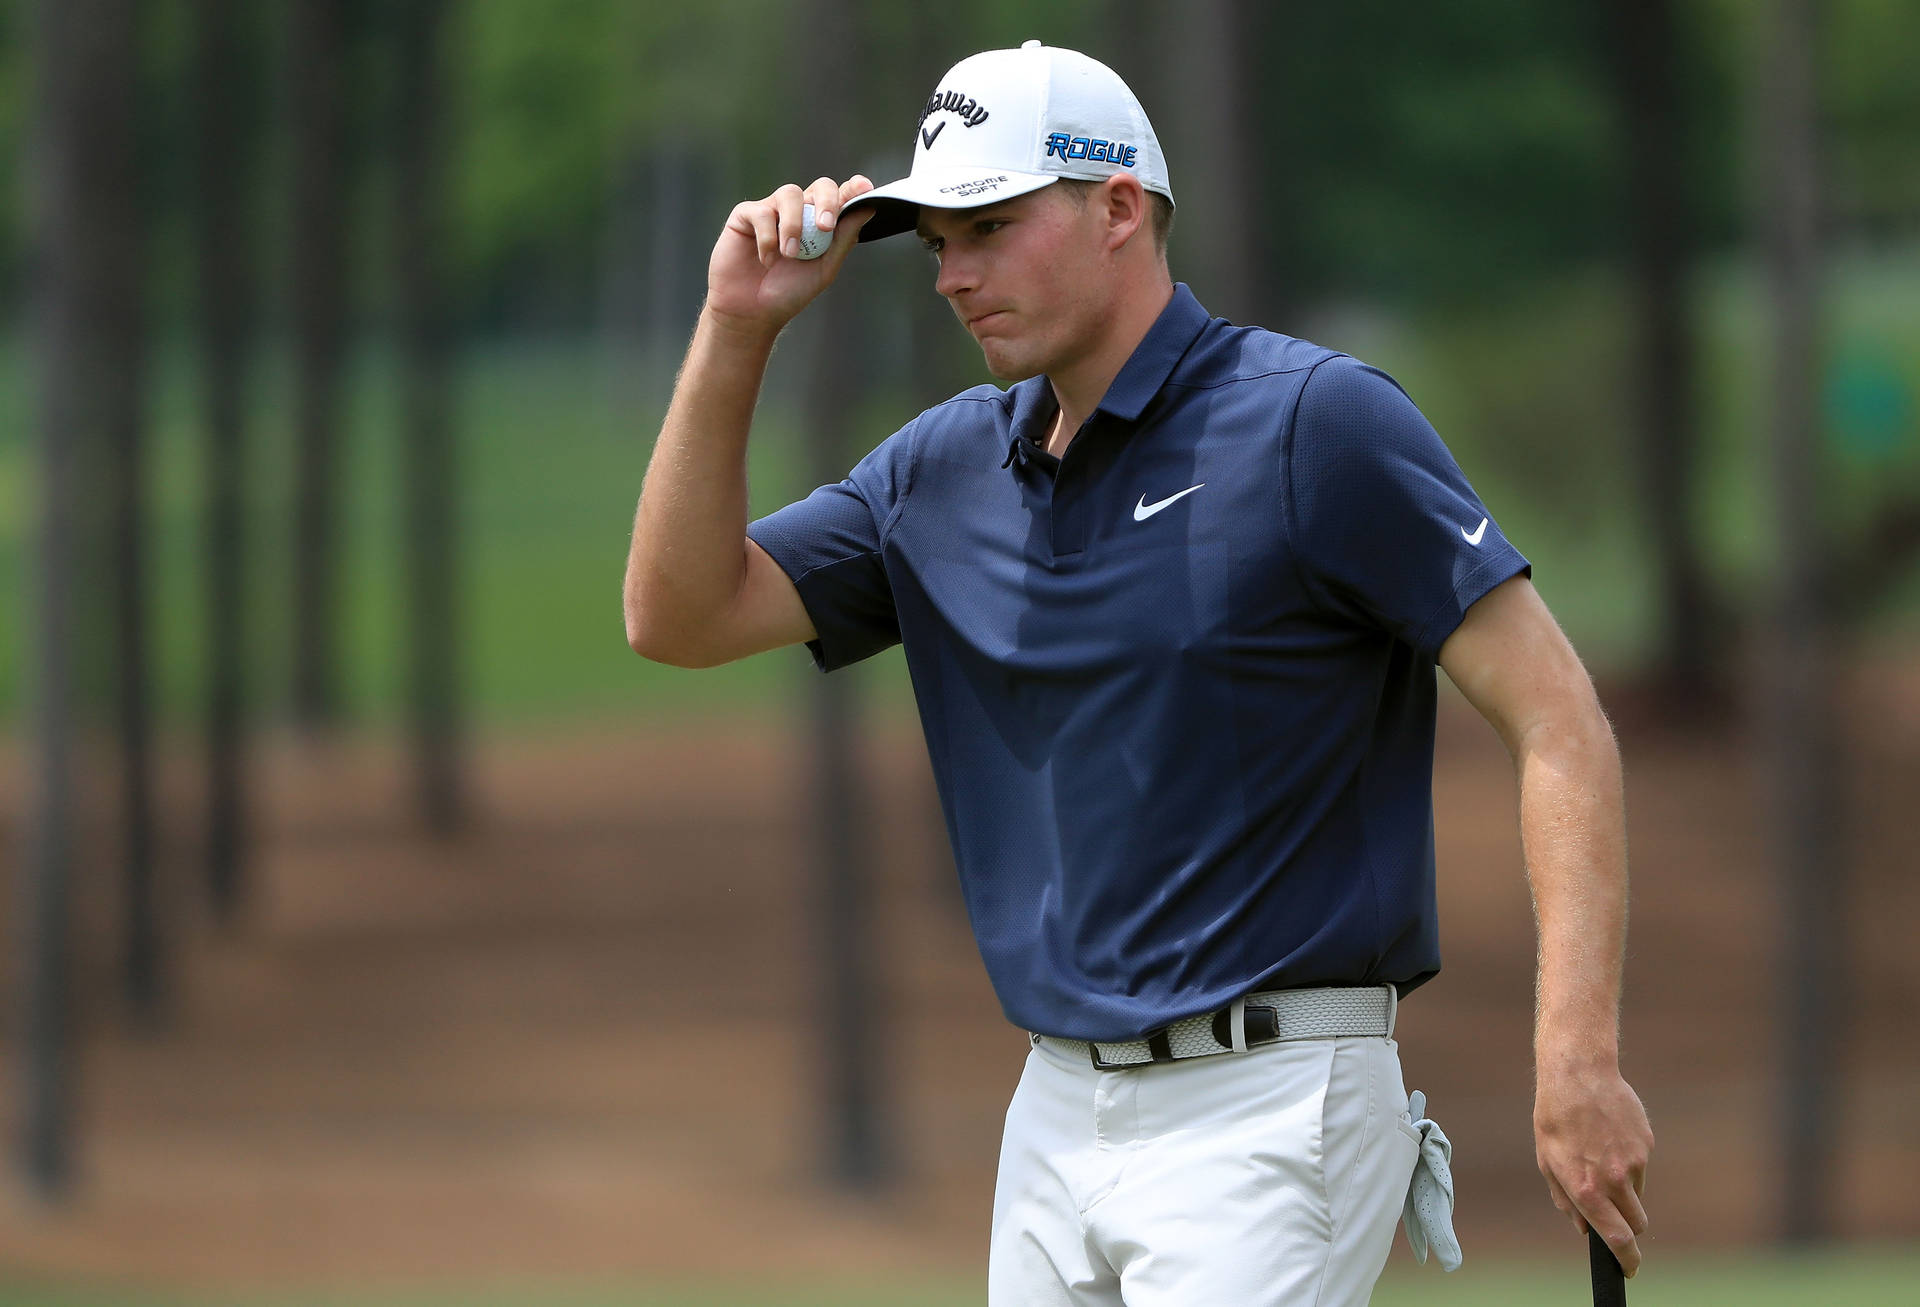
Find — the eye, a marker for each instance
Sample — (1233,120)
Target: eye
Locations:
(988,226)
(931,244)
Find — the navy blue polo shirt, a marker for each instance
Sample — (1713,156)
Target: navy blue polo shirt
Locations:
(1178,685)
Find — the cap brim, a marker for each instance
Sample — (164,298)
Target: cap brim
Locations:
(897,205)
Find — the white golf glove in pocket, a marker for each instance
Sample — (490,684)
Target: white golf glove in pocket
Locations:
(1429,1211)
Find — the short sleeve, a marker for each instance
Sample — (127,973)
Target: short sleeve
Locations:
(829,544)
(1388,529)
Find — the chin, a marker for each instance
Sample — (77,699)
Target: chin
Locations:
(1008,372)
(1009,367)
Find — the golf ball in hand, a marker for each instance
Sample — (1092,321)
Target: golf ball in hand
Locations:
(813,241)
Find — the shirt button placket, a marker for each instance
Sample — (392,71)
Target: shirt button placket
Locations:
(1069,522)
(1070,498)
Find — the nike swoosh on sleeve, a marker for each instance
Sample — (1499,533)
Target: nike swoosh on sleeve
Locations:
(1473,537)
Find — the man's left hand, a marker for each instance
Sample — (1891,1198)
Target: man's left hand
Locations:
(1592,1139)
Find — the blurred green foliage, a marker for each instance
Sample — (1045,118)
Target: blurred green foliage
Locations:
(1451,183)
(1874,111)
(14,90)
(1422,150)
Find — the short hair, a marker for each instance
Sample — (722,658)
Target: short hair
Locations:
(1159,207)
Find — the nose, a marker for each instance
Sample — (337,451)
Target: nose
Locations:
(958,273)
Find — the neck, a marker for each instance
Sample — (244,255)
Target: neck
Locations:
(1079,386)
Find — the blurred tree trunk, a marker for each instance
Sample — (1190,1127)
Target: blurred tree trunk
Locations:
(676,278)
(317,102)
(656,260)
(848,1045)
(1208,44)
(1136,33)
(1268,55)
(625,287)
(1801,710)
(224,114)
(432,479)
(1646,60)
(118,206)
(88,305)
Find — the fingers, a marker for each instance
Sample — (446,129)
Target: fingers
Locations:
(774,223)
(1613,1210)
(1592,1141)
(786,204)
(828,197)
(824,196)
(1626,1249)
(1564,1203)
(1633,1209)
(861,218)
(760,221)
(854,185)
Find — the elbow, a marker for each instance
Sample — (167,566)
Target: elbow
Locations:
(653,641)
(1561,711)
(1591,724)
(1578,736)
(642,641)
(663,640)
(672,655)
(647,635)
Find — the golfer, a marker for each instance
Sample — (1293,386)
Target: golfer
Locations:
(1172,602)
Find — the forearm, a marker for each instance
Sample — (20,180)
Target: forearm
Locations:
(1573,834)
(1591,1136)
(687,560)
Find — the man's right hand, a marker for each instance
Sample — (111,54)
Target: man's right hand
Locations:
(755,285)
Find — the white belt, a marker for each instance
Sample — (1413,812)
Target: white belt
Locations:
(1269,1017)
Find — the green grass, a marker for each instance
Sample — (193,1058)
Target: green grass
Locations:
(552,450)
(1849,1279)
(1857,1278)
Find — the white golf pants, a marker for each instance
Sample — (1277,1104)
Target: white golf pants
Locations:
(1274,1176)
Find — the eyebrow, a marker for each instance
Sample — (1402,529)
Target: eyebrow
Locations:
(984,213)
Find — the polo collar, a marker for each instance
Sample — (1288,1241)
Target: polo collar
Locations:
(1155,357)
(1033,409)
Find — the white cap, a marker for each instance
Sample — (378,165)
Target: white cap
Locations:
(1007,122)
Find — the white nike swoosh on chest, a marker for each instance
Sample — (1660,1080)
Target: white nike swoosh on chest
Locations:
(1143,510)
(1473,537)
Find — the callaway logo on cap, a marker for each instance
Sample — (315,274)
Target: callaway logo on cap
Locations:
(1011,121)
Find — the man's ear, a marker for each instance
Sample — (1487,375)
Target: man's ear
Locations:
(1123,203)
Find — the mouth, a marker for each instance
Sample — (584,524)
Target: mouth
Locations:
(973,324)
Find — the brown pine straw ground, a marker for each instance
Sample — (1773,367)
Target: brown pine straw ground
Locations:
(577,1042)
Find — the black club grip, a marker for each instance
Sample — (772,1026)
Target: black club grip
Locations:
(1609,1283)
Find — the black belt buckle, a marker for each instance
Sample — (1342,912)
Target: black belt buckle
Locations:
(1262,1025)
(1159,1049)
